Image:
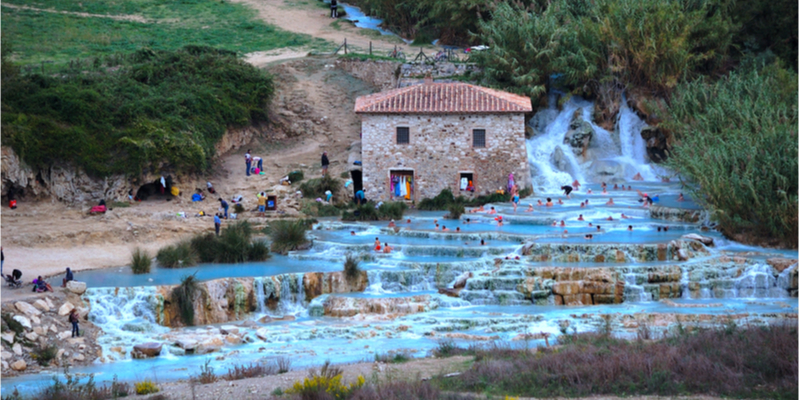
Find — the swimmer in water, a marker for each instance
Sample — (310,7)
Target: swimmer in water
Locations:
(437,227)
(638,177)
(580,217)
(609,218)
(598,228)
(588,236)
(479,209)
(680,197)
(483,243)
(492,211)
(392,224)
(458,230)
(560,202)
(530,208)
(610,202)
(386,248)
(630,228)
(616,187)
(562,224)
(539,202)
(352,233)
(408,221)
(589,191)
(583,204)
(549,202)
(623,216)
(444,228)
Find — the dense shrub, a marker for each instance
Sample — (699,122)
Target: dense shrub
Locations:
(179,255)
(737,140)
(351,268)
(455,210)
(45,354)
(287,235)
(146,387)
(753,362)
(445,201)
(140,261)
(315,188)
(296,176)
(183,296)
(167,106)
(317,209)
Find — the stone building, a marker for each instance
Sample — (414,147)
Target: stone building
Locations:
(432,136)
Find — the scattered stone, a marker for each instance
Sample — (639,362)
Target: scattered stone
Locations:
(19,365)
(262,334)
(25,322)
(119,349)
(39,330)
(76,287)
(50,304)
(5,365)
(41,304)
(6,355)
(8,337)
(17,349)
(59,354)
(78,357)
(65,335)
(65,309)
(27,309)
(187,345)
(149,349)
(702,239)
(449,292)
(32,336)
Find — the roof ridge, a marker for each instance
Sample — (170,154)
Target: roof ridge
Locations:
(443,97)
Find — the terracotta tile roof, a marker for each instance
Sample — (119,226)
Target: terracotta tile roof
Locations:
(442,98)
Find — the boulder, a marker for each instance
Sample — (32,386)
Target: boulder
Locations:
(656,143)
(186,344)
(228,329)
(25,322)
(262,334)
(449,292)
(780,263)
(607,171)
(17,349)
(76,287)
(209,345)
(19,365)
(32,336)
(149,349)
(702,239)
(50,304)
(461,281)
(682,255)
(65,309)
(580,133)
(27,309)
(265,319)
(65,335)
(41,305)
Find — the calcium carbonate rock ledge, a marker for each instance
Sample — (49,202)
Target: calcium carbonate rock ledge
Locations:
(678,214)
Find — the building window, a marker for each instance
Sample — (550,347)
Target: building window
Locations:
(402,135)
(479,138)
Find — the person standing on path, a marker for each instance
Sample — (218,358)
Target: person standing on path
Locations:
(2,260)
(262,204)
(325,163)
(334,13)
(248,159)
(224,205)
(73,319)
(217,223)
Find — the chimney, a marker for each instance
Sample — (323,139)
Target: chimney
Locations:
(428,78)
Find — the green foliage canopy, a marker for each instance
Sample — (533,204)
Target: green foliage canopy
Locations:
(164,107)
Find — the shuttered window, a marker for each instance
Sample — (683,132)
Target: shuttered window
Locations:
(402,135)
(479,138)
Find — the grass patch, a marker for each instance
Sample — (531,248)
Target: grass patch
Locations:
(252,370)
(396,358)
(234,245)
(183,296)
(368,212)
(140,261)
(351,268)
(168,26)
(445,199)
(317,209)
(287,235)
(752,362)
(156,109)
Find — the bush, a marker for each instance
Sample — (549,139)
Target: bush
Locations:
(155,110)
(351,268)
(317,209)
(327,382)
(180,255)
(140,261)
(445,201)
(73,389)
(284,364)
(440,202)
(12,324)
(396,358)
(368,212)
(455,209)
(250,371)
(45,354)
(737,139)
(234,245)
(238,208)
(287,235)
(754,362)
(146,387)
(296,176)
(183,296)
(315,188)
(206,373)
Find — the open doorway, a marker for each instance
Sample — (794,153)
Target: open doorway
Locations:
(466,182)
(401,184)
(358,182)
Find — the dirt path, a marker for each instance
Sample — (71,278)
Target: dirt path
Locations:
(308,18)
(132,18)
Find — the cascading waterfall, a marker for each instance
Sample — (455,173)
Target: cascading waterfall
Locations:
(125,315)
(609,156)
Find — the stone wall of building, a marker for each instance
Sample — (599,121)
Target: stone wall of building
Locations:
(439,149)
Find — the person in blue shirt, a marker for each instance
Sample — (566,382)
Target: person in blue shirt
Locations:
(360,198)
(217,223)
(224,205)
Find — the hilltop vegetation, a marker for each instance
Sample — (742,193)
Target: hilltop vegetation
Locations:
(154,24)
(157,106)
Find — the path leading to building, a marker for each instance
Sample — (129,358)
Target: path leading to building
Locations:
(308,18)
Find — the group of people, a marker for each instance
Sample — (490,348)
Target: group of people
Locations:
(249,160)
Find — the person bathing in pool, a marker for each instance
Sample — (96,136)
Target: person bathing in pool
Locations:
(492,211)
(549,202)
(530,208)
(479,209)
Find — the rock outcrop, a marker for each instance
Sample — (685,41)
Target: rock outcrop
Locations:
(656,143)
(580,133)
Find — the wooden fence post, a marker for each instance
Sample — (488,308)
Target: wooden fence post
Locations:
(370,47)
(345,46)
